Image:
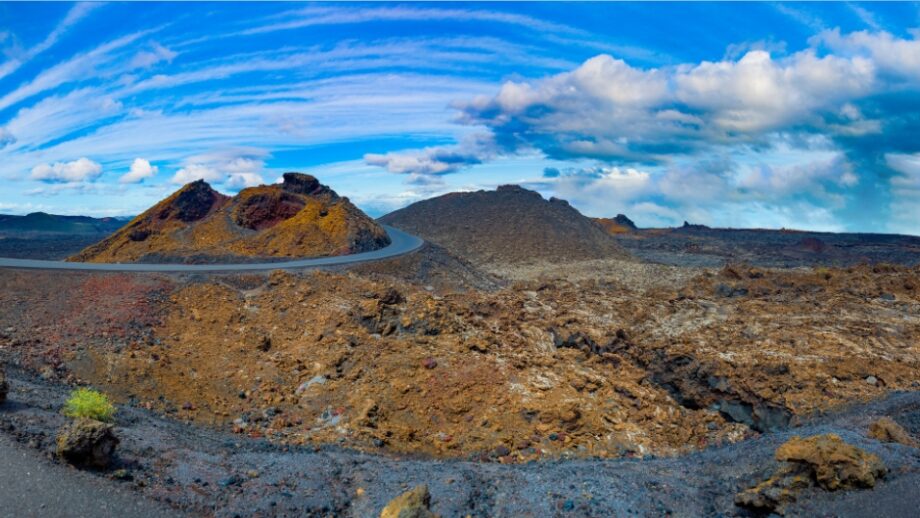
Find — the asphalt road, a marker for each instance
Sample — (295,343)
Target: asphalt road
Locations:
(401,243)
(30,486)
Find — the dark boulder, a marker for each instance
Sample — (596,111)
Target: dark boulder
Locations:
(87,443)
(4,387)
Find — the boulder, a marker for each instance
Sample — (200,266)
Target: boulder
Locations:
(823,460)
(414,503)
(775,493)
(885,429)
(4,387)
(87,442)
(834,463)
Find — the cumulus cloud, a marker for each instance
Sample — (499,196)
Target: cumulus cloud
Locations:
(140,170)
(80,170)
(607,109)
(234,169)
(243,180)
(905,186)
(194,172)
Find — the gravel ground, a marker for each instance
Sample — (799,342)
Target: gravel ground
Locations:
(206,472)
(32,486)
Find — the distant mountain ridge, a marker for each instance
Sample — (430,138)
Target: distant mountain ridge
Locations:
(42,222)
(297,218)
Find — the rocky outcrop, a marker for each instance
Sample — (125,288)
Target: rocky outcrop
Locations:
(298,218)
(87,443)
(414,503)
(885,429)
(822,460)
(618,225)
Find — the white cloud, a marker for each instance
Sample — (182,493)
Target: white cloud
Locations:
(76,13)
(80,170)
(6,137)
(243,180)
(157,53)
(78,68)
(607,109)
(140,169)
(314,16)
(437,160)
(905,193)
(899,57)
(233,168)
(193,172)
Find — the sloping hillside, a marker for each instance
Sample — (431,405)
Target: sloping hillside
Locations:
(297,218)
(505,226)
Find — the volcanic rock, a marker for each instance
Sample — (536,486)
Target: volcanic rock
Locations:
(4,387)
(506,226)
(885,429)
(414,503)
(297,218)
(618,225)
(87,442)
(824,460)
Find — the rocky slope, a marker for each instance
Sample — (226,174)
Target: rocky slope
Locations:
(196,224)
(618,225)
(506,226)
(535,369)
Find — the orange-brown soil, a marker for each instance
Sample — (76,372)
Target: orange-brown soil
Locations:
(298,218)
(541,367)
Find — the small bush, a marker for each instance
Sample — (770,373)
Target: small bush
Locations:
(90,404)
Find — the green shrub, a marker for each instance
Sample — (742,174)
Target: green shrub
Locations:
(90,404)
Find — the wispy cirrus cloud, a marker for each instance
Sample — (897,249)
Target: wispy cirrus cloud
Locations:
(17,57)
(315,16)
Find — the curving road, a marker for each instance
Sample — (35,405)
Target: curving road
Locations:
(401,243)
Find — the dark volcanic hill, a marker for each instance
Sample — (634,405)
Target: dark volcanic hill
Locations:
(508,225)
(297,218)
(40,222)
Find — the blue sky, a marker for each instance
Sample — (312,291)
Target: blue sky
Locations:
(799,115)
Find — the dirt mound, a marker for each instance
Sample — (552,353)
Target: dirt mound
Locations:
(886,429)
(298,218)
(508,225)
(618,225)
